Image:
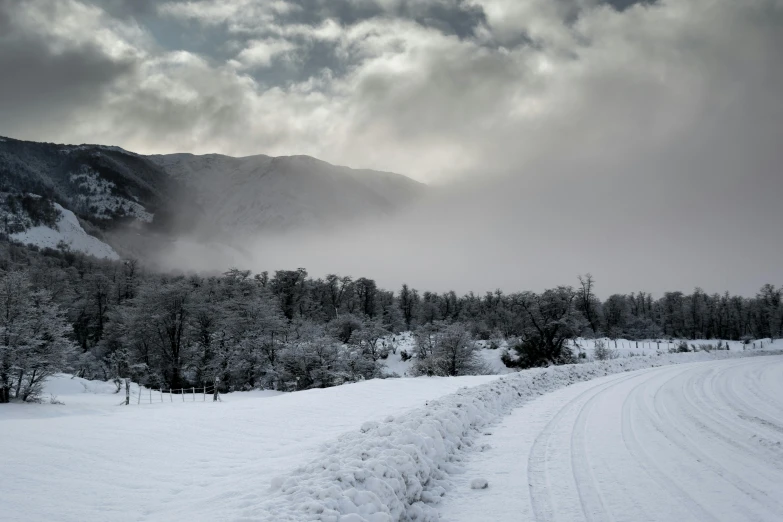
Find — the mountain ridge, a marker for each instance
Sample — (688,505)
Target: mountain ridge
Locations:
(208,196)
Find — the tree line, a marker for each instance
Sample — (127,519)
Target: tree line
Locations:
(289,331)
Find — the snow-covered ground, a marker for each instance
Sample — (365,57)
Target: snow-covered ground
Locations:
(93,460)
(698,441)
(69,231)
(621,348)
(632,348)
(694,442)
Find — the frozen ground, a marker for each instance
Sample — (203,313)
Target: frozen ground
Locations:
(631,348)
(693,442)
(92,460)
(697,441)
(621,348)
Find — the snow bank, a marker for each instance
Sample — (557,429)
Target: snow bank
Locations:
(93,460)
(67,231)
(399,468)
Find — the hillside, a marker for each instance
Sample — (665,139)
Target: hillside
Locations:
(164,197)
(243,195)
(65,233)
(105,186)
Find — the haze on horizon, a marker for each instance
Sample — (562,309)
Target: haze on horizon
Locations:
(639,141)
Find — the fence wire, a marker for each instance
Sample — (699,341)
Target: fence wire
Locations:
(172,395)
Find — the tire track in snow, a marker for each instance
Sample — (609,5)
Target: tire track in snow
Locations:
(669,426)
(631,450)
(664,444)
(710,417)
(649,465)
(538,480)
(744,410)
(537,472)
(593,505)
(764,396)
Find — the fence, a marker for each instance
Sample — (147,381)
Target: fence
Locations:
(152,396)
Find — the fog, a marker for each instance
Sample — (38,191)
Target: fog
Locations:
(669,222)
(638,141)
(664,175)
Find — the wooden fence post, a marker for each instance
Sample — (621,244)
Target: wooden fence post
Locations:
(215,393)
(127,391)
(193,389)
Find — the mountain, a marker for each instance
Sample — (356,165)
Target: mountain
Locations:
(105,186)
(244,195)
(127,199)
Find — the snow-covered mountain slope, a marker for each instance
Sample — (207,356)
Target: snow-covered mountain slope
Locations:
(106,186)
(240,195)
(66,232)
(213,196)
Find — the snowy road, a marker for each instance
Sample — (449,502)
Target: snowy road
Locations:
(692,442)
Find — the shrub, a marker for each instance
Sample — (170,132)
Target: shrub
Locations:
(602,352)
(535,352)
(450,352)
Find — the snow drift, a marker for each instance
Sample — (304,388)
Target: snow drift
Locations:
(398,469)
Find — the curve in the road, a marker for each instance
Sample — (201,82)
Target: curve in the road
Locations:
(694,442)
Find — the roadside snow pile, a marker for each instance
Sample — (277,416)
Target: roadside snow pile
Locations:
(69,232)
(399,469)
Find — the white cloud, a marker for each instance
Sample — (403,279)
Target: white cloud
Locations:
(239,15)
(68,25)
(260,53)
(599,131)
(413,99)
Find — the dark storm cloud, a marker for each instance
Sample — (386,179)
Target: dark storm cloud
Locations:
(457,17)
(40,84)
(640,142)
(5,16)
(622,5)
(123,8)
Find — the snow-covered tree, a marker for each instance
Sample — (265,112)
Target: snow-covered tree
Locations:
(549,320)
(33,338)
(447,351)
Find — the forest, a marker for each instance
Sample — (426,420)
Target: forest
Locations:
(114,320)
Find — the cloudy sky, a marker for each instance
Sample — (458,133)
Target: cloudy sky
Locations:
(614,126)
